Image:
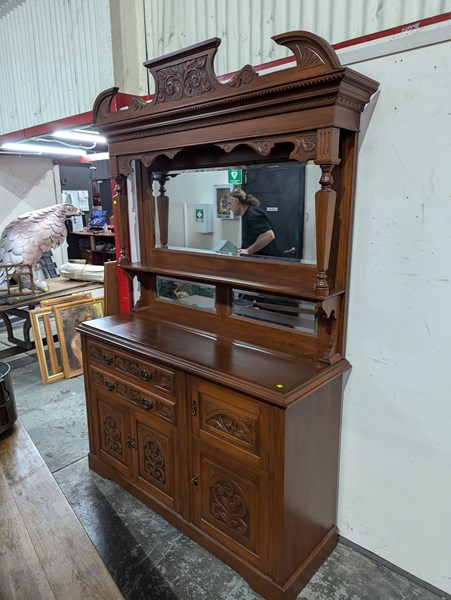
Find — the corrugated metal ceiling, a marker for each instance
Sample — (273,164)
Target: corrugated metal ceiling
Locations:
(65,55)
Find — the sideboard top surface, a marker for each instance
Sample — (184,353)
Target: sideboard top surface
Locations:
(272,376)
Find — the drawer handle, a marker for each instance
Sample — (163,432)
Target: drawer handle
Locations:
(146,375)
(146,403)
(107,359)
(109,385)
(131,442)
(195,479)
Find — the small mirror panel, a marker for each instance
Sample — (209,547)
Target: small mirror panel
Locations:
(286,312)
(188,293)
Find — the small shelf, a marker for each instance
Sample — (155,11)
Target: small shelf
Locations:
(83,244)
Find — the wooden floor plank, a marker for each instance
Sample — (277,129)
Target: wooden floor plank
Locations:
(21,574)
(51,544)
(18,455)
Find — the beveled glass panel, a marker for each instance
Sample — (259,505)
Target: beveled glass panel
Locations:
(286,312)
(188,293)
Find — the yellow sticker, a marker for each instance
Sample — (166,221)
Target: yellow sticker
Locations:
(279,385)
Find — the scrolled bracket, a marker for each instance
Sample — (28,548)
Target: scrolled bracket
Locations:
(328,313)
(245,76)
(262,147)
(310,50)
(102,104)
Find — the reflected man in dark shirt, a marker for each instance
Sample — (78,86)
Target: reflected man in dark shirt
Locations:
(257,234)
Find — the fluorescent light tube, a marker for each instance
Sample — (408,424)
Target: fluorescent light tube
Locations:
(97,156)
(36,148)
(79,137)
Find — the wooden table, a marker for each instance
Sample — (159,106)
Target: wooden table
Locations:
(19,306)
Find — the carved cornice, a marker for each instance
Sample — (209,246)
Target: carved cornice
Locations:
(262,147)
(125,162)
(325,85)
(243,77)
(187,85)
(304,148)
(185,80)
(185,74)
(102,104)
(161,129)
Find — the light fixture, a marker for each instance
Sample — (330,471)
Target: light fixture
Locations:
(38,149)
(76,136)
(96,156)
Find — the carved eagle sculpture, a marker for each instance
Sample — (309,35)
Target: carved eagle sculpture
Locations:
(28,236)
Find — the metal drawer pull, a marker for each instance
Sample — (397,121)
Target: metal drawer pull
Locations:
(146,375)
(131,442)
(109,385)
(146,403)
(195,479)
(107,359)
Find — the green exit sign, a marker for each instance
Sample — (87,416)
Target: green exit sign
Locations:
(235,176)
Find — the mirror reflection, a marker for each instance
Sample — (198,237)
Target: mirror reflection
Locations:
(254,211)
(190,293)
(285,312)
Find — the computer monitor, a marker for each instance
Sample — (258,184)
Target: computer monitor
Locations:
(98,219)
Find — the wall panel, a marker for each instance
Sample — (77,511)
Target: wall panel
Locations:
(55,57)
(246,26)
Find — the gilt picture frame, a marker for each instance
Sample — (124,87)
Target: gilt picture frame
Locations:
(44,334)
(221,191)
(67,317)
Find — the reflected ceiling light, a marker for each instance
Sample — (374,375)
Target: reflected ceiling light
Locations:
(36,148)
(76,136)
(97,156)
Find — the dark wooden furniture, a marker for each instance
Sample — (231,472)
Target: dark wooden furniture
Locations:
(91,246)
(228,426)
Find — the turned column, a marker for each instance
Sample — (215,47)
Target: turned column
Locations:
(120,204)
(162,208)
(325,201)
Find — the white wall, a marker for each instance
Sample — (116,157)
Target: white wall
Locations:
(28,183)
(395,487)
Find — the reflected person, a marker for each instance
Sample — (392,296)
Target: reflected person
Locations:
(257,233)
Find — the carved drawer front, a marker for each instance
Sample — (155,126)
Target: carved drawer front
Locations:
(156,462)
(114,439)
(132,367)
(151,403)
(232,506)
(231,421)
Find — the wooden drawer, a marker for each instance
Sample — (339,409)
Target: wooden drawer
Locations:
(142,372)
(234,423)
(145,399)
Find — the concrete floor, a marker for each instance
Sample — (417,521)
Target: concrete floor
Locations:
(148,558)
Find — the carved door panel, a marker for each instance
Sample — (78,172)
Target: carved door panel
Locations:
(231,422)
(155,467)
(114,438)
(230,503)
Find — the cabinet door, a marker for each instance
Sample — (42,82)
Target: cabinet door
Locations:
(231,422)
(114,440)
(156,466)
(230,503)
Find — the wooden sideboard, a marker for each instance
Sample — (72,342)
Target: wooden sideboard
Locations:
(199,429)
(217,399)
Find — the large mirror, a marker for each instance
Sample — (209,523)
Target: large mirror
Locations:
(201,217)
